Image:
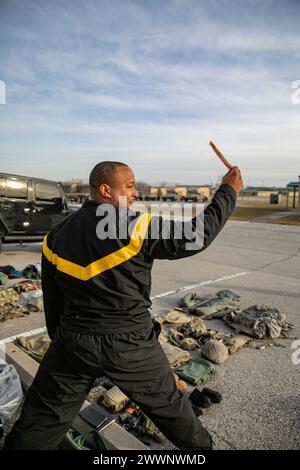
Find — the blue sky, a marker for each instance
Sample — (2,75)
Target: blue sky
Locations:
(149,82)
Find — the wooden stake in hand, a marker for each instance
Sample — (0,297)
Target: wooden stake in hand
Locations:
(217,152)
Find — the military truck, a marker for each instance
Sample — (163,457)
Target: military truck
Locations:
(170,196)
(153,195)
(193,196)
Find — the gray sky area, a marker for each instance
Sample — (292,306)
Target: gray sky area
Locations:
(149,82)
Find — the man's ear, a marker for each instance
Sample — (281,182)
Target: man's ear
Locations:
(104,190)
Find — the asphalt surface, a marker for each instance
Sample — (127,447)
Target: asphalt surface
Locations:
(260,388)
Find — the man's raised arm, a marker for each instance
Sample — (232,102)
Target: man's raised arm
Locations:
(200,231)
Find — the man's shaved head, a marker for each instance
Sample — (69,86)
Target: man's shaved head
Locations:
(111,180)
(103,172)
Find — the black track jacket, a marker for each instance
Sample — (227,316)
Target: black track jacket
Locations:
(102,286)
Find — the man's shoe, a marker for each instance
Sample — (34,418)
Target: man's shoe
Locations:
(214,397)
(199,399)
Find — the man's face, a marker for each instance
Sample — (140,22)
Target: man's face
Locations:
(123,184)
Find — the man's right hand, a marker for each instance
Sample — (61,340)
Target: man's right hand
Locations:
(234,179)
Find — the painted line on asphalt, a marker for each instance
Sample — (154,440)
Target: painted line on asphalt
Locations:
(200,284)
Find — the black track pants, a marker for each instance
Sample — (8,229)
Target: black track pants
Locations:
(133,360)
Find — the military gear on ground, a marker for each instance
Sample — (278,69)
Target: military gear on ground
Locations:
(115,399)
(10,310)
(258,321)
(189,344)
(235,342)
(195,328)
(163,336)
(209,304)
(35,347)
(209,335)
(8,305)
(197,371)
(178,339)
(96,394)
(134,361)
(220,315)
(148,428)
(176,316)
(215,351)
(175,355)
(141,425)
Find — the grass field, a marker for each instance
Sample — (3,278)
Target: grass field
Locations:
(293,219)
(251,208)
(250,213)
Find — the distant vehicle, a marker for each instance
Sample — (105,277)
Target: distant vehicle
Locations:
(194,196)
(139,196)
(29,206)
(152,197)
(170,196)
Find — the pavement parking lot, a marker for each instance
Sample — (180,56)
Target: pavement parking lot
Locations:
(260,262)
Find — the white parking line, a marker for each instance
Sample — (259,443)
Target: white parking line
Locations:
(200,284)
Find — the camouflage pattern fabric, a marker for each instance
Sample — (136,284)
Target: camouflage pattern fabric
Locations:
(236,342)
(194,329)
(8,307)
(96,394)
(141,425)
(115,399)
(258,321)
(209,304)
(175,355)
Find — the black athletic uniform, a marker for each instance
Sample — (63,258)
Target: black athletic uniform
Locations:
(96,300)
